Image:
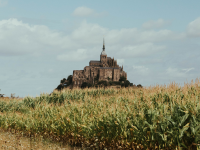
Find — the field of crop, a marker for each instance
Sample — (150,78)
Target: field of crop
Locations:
(10,141)
(159,117)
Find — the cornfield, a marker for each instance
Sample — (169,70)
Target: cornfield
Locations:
(157,117)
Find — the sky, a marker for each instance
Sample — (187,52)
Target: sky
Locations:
(42,42)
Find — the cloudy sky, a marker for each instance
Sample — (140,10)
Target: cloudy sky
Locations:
(41,42)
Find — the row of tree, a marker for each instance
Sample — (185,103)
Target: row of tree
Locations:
(122,82)
(64,83)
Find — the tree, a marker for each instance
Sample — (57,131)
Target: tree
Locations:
(69,79)
(110,83)
(105,83)
(127,83)
(139,86)
(63,80)
(85,84)
(59,87)
(122,78)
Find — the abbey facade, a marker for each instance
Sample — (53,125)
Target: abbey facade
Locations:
(104,70)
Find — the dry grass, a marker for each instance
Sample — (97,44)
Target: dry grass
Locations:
(8,99)
(18,142)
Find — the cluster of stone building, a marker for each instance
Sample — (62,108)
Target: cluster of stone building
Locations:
(106,69)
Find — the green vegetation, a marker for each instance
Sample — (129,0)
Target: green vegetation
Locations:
(67,83)
(122,82)
(122,79)
(69,79)
(160,117)
(64,83)
(86,85)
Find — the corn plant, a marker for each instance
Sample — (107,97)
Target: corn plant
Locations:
(159,117)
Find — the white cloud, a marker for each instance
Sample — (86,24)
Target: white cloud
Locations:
(193,29)
(83,11)
(88,33)
(82,43)
(175,72)
(158,36)
(124,36)
(152,24)
(78,55)
(18,38)
(129,42)
(86,12)
(140,50)
(188,69)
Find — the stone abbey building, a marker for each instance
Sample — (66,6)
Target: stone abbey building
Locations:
(105,70)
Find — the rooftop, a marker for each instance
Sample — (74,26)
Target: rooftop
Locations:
(103,53)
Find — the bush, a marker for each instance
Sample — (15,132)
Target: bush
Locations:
(116,83)
(110,83)
(63,80)
(69,79)
(139,86)
(105,83)
(59,87)
(85,84)
(127,83)
(122,78)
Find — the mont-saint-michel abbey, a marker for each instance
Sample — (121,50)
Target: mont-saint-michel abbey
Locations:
(106,69)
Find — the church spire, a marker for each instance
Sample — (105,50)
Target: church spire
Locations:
(103,49)
(103,45)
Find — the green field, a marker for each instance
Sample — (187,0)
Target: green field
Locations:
(159,117)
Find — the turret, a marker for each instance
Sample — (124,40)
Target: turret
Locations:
(103,56)
(103,49)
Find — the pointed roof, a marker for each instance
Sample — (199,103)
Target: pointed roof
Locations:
(103,49)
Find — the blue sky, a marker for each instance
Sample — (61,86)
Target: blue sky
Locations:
(42,42)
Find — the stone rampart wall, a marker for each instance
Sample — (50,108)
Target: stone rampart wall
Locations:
(116,74)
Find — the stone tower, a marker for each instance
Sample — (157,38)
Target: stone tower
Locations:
(103,56)
(106,69)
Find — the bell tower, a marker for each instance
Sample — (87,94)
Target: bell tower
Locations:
(103,56)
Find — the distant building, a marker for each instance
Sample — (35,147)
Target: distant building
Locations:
(104,70)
